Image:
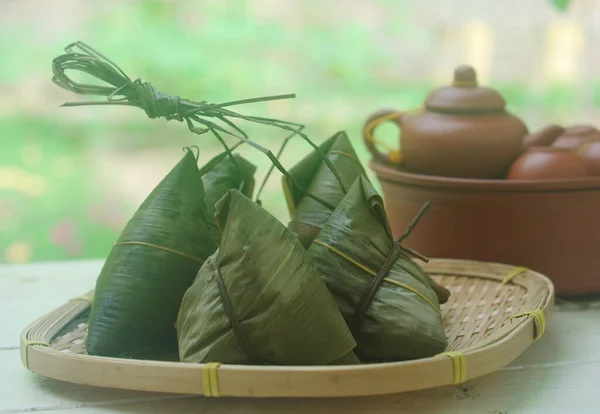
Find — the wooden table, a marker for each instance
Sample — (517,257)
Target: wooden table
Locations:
(558,374)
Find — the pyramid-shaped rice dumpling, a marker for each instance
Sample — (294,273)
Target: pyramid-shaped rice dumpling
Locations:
(307,214)
(153,262)
(396,319)
(259,299)
(221,174)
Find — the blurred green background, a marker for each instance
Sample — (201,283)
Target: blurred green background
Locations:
(71,177)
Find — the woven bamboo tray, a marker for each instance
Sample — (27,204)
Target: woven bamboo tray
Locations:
(495,312)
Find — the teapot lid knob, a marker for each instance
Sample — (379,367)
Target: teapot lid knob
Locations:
(465,95)
(465,76)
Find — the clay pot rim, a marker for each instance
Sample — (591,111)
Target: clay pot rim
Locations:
(579,130)
(391,174)
(548,148)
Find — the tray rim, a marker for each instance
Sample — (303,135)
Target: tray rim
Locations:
(281,381)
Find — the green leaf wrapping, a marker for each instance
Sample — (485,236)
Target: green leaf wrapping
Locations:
(403,321)
(140,287)
(283,307)
(219,175)
(313,174)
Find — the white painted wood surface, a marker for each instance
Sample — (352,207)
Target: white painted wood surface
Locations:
(558,374)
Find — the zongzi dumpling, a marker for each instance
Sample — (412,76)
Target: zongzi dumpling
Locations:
(400,318)
(219,175)
(259,299)
(307,214)
(156,258)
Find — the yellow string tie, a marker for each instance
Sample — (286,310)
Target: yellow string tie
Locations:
(459,361)
(210,380)
(166,249)
(375,123)
(344,154)
(539,321)
(395,155)
(374,273)
(26,344)
(514,273)
(84,298)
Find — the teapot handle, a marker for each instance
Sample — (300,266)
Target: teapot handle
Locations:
(384,115)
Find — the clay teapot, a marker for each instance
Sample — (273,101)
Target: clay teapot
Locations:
(463,131)
(548,163)
(575,136)
(590,152)
(544,137)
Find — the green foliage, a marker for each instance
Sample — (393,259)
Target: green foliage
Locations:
(561,5)
(45,193)
(215,50)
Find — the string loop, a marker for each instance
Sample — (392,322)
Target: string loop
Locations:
(539,321)
(514,273)
(210,379)
(459,363)
(25,347)
(156,246)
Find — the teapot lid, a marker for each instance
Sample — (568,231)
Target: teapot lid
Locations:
(580,130)
(465,95)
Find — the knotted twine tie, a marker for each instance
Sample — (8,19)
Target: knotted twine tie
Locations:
(125,91)
(155,103)
(361,309)
(397,251)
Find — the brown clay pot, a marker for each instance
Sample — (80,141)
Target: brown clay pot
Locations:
(548,163)
(575,136)
(590,153)
(544,137)
(548,226)
(463,130)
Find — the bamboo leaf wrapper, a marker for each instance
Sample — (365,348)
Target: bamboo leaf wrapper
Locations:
(312,173)
(259,299)
(403,321)
(156,258)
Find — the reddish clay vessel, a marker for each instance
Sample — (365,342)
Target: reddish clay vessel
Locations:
(544,137)
(463,131)
(548,163)
(548,226)
(590,153)
(575,136)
